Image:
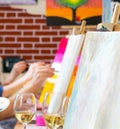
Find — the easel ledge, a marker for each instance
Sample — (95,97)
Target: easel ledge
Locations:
(116,27)
(88,27)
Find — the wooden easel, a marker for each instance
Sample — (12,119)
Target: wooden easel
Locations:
(115,18)
(76,29)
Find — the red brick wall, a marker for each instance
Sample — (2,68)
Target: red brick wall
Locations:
(27,36)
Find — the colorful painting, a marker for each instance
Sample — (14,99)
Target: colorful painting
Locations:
(72,12)
(18,2)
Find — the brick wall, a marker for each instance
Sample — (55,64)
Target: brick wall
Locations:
(27,36)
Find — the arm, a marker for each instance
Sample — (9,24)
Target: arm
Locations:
(40,74)
(12,88)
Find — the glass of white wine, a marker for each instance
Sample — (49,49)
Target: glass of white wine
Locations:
(25,108)
(54,108)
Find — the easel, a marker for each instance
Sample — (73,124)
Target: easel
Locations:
(117,26)
(76,29)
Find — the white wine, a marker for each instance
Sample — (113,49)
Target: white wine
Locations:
(24,116)
(54,120)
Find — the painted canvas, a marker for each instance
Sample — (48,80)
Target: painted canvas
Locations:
(72,12)
(95,100)
(107,10)
(18,2)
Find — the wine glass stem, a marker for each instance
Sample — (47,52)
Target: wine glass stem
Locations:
(54,127)
(24,126)
(60,127)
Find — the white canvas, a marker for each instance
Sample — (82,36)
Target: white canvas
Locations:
(95,99)
(69,59)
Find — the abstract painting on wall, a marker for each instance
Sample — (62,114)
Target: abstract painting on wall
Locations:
(72,12)
(18,2)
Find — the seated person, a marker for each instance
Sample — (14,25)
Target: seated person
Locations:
(31,81)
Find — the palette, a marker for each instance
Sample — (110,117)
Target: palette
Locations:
(4,103)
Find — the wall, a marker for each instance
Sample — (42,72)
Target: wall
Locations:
(27,36)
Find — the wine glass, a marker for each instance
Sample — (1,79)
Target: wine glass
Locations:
(54,108)
(25,108)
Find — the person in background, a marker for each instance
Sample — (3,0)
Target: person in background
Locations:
(31,81)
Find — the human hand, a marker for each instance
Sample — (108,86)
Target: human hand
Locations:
(19,67)
(31,69)
(41,73)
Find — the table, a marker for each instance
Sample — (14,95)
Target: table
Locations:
(30,126)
